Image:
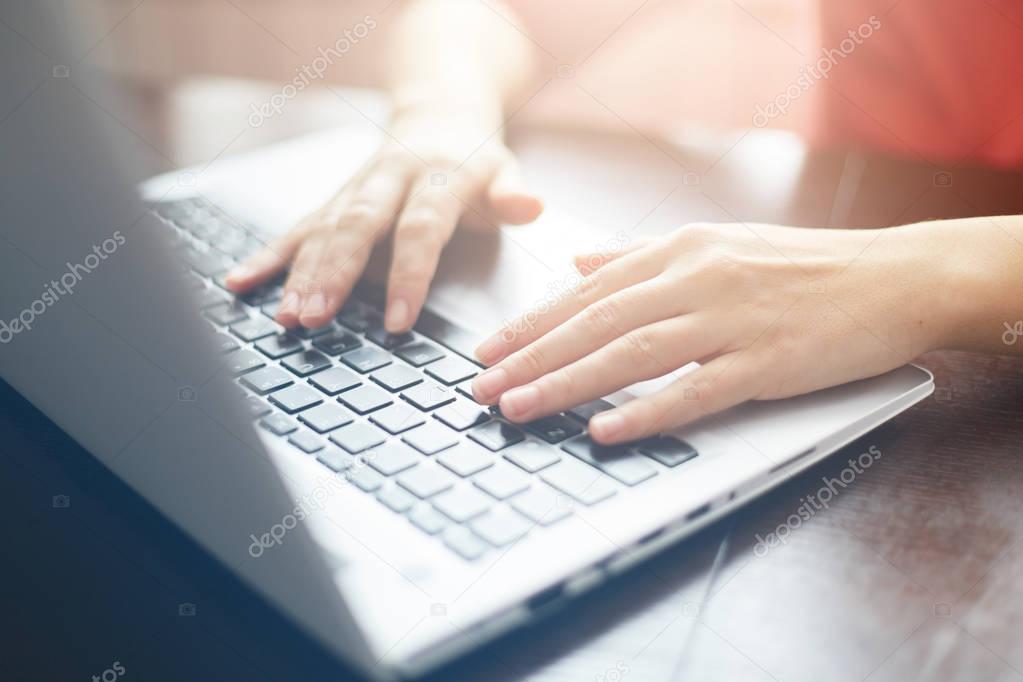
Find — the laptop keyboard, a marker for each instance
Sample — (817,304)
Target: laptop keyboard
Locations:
(394,413)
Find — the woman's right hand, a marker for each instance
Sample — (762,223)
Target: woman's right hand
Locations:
(430,174)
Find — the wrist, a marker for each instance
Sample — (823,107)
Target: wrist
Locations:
(960,285)
(415,106)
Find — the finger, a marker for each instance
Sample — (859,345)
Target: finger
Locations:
(529,327)
(509,198)
(595,326)
(424,227)
(588,263)
(270,260)
(344,259)
(724,382)
(299,286)
(341,258)
(645,353)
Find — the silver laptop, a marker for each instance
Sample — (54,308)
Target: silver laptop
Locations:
(345,474)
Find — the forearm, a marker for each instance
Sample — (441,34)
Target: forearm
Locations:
(977,280)
(458,60)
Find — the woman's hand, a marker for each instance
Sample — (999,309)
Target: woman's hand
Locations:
(767,311)
(432,173)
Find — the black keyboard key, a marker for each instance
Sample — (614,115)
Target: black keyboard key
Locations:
(265,293)
(315,332)
(392,458)
(617,461)
(326,417)
(366,398)
(265,380)
(586,410)
(225,344)
(497,435)
(428,395)
(397,418)
(278,424)
(296,398)
(397,377)
(254,328)
(358,437)
(462,415)
(357,318)
(366,359)
(337,342)
(555,428)
(430,438)
(419,353)
(335,380)
(279,345)
(227,313)
(207,263)
(306,442)
(667,450)
(386,339)
(257,408)
(270,308)
(335,459)
(452,370)
(211,297)
(244,361)
(307,362)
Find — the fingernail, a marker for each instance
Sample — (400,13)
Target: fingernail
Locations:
(315,305)
(520,401)
(488,351)
(397,315)
(607,426)
(290,304)
(490,383)
(239,272)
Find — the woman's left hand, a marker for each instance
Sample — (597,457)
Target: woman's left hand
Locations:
(767,311)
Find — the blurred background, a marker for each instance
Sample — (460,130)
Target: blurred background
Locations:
(196,67)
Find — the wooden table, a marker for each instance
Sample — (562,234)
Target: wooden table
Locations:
(912,572)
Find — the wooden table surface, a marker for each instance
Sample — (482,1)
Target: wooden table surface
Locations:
(912,572)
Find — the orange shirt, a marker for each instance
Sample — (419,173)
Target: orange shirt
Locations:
(937,79)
